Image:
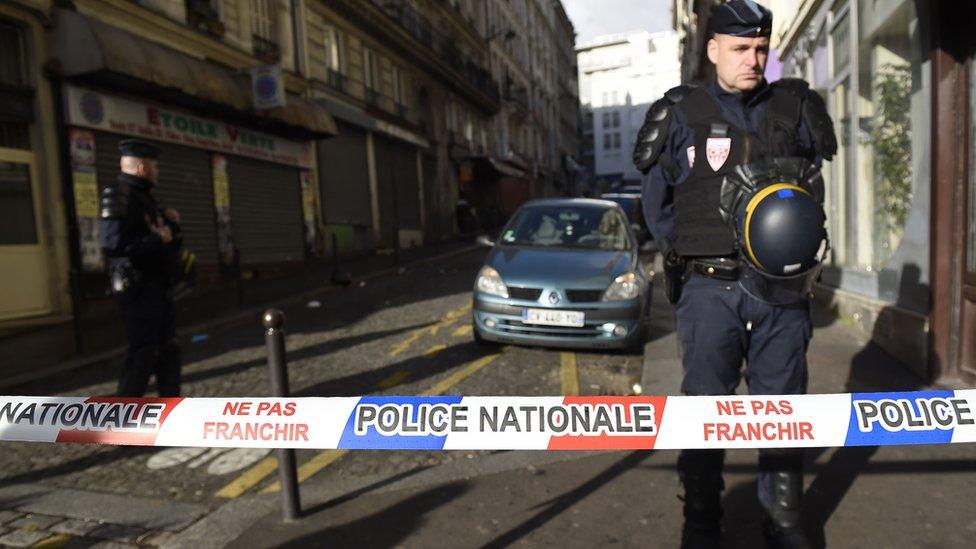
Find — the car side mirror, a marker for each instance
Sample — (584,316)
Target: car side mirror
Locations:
(483,240)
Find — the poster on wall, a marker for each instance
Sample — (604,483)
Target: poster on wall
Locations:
(221,190)
(85,183)
(309,207)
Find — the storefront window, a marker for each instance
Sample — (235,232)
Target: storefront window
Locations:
(888,50)
(17,226)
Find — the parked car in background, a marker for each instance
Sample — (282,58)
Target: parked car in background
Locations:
(634,208)
(563,273)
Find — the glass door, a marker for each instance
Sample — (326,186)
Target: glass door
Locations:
(23,267)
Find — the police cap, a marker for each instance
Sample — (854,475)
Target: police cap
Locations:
(138,148)
(742,18)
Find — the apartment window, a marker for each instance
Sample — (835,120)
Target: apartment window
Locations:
(606,120)
(369,69)
(13,64)
(263,19)
(616,119)
(333,49)
(606,141)
(397,86)
(616,140)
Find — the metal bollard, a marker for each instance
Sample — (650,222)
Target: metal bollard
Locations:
(273,319)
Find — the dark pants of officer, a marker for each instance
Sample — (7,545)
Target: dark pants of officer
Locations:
(152,349)
(720,326)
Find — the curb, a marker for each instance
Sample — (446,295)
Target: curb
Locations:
(219,324)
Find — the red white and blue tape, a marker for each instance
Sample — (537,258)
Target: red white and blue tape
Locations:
(499,423)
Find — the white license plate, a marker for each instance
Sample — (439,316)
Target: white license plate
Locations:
(551,317)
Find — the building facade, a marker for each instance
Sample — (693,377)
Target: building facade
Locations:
(284,126)
(897,79)
(620,76)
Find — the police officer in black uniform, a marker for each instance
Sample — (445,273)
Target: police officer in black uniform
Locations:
(142,242)
(692,142)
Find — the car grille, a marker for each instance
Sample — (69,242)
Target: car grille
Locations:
(583,296)
(520,328)
(530,294)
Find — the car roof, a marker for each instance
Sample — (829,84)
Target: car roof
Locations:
(588,202)
(620,195)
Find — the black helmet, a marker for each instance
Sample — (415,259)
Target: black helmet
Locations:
(775,209)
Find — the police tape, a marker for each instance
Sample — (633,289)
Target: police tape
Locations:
(499,423)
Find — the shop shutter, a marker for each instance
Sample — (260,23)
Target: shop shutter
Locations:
(344,178)
(408,187)
(265,211)
(396,171)
(185,184)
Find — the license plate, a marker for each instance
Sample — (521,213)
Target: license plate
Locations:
(551,317)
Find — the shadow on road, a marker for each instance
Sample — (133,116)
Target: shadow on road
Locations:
(555,506)
(100,457)
(385,528)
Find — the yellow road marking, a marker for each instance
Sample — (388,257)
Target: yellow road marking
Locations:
(57,540)
(310,467)
(461,375)
(434,350)
(326,458)
(394,380)
(432,329)
(568,373)
(250,478)
(462,331)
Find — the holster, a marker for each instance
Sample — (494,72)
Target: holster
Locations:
(674,270)
(124,279)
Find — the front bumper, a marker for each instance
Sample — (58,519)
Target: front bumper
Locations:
(500,320)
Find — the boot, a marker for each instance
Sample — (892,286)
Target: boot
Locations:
(700,472)
(781,495)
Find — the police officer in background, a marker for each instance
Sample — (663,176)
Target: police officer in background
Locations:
(142,242)
(695,141)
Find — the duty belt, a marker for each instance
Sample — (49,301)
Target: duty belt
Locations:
(721,268)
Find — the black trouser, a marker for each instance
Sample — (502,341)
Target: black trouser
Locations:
(720,326)
(152,349)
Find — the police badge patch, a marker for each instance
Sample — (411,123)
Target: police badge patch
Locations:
(717,151)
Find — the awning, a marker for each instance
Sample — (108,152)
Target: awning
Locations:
(360,118)
(489,168)
(93,51)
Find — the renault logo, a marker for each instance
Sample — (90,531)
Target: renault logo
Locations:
(553,297)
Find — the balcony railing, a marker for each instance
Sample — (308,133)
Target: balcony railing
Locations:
(443,46)
(202,15)
(336,80)
(265,49)
(372,97)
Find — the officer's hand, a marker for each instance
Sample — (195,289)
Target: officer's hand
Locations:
(161,229)
(172,215)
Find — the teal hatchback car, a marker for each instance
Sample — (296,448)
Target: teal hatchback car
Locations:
(563,273)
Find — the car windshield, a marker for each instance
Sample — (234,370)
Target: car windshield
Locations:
(568,226)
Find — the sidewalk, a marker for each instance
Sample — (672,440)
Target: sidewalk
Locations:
(586,499)
(207,314)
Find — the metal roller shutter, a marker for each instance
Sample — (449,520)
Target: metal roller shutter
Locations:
(396,171)
(265,211)
(185,184)
(344,178)
(408,188)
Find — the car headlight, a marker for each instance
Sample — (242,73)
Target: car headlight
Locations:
(490,282)
(624,287)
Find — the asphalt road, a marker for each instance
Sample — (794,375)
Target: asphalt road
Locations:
(407,333)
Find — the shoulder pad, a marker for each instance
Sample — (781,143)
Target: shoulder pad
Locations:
(654,132)
(795,86)
(677,93)
(819,123)
(112,202)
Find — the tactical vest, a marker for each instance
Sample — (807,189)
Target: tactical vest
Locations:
(699,230)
